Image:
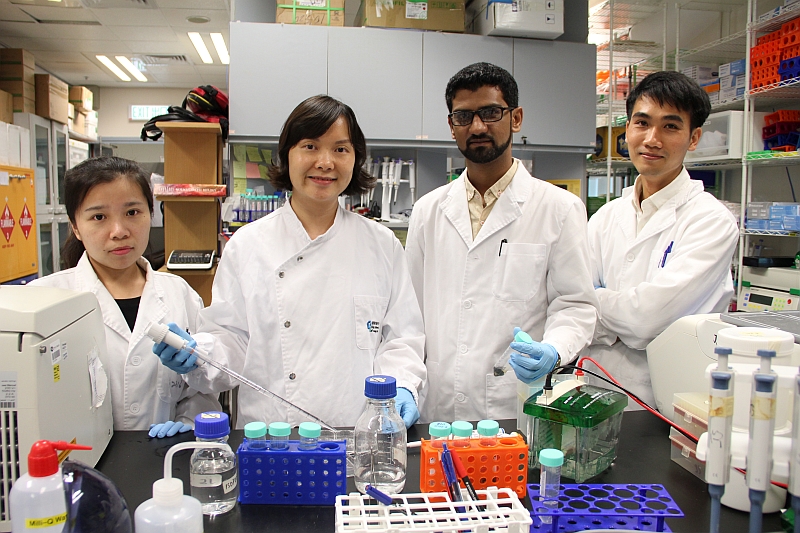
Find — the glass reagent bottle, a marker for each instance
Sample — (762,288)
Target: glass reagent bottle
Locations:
(213,473)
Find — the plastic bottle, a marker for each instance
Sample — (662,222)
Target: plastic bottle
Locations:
(439,432)
(279,435)
(309,436)
(380,439)
(256,435)
(37,498)
(462,431)
(550,461)
(213,472)
(488,430)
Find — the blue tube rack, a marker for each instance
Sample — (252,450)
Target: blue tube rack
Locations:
(586,506)
(292,476)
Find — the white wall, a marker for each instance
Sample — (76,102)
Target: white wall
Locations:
(113,115)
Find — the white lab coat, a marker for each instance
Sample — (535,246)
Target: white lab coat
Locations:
(143,391)
(310,320)
(640,298)
(472,296)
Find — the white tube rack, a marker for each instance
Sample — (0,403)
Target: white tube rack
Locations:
(499,510)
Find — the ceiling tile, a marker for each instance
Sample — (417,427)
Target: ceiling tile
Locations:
(144,33)
(60,56)
(130,17)
(171,69)
(10,12)
(199,4)
(153,47)
(58,13)
(219,20)
(55,31)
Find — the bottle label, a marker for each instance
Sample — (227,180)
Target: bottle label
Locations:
(50,521)
(205,480)
(230,483)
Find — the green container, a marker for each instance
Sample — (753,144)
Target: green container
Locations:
(584,423)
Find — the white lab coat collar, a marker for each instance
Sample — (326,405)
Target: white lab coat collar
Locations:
(507,208)
(152,298)
(663,218)
(296,226)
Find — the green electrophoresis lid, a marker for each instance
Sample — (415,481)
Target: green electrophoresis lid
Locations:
(584,406)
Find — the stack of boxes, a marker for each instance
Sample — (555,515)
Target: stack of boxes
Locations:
(17,78)
(690,412)
(51,98)
(81,99)
(764,216)
(707,78)
(311,12)
(731,81)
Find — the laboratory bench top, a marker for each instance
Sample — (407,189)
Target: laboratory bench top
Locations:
(134,461)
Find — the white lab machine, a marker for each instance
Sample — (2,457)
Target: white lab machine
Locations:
(52,382)
(769,289)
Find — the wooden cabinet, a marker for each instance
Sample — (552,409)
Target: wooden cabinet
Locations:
(192,154)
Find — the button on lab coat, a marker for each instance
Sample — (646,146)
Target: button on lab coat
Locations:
(473,293)
(678,265)
(143,391)
(310,320)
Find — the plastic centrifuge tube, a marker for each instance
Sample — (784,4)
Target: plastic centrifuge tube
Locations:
(501,366)
(439,432)
(256,435)
(161,333)
(462,431)
(550,479)
(309,436)
(279,435)
(488,430)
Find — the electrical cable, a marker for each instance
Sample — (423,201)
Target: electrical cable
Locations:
(789,176)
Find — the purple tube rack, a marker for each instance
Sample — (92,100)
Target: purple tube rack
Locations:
(584,507)
(292,476)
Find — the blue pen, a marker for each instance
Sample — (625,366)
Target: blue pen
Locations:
(667,252)
(450,477)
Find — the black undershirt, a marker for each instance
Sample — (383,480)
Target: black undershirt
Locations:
(129,308)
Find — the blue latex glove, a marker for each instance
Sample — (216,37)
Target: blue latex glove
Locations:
(180,361)
(541,360)
(406,406)
(168,429)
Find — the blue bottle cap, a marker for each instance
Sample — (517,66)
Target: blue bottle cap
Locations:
(211,425)
(462,428)
(551,457)
(439,429)
(488,428)
(280,429)
(380,387)
(254,430)
(309,430)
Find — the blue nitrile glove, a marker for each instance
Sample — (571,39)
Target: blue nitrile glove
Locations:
(168,429)
(541,360)
(406,406)
(180,361)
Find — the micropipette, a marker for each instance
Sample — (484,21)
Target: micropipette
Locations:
(720,423)
(161,333)
(762,431)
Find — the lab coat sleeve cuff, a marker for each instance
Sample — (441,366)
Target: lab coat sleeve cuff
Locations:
(204,374)
(410,388)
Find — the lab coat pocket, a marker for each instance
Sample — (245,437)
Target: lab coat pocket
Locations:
(170,385)
(518,271)
(501,393)
(369,313)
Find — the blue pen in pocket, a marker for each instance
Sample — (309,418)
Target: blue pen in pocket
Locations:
(666,253)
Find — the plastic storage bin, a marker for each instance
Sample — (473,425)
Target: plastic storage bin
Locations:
(723,135)
(584,423)
(684,452)
(292,476)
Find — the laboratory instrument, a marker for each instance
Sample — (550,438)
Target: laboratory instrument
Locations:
(256,435)
(550,461)
(94,503)
(462,432)
(720,424)
(794,464)
(380,439)
(439,432)
(37,497)
(488,430)
(161,333)
(309,436)
(769,289)
(52,348)
(581,420)
(213,472)
(170,510)
(279,435)
(191,259)
(762,430)
(788,321)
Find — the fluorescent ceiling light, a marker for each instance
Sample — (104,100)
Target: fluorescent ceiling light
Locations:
(222,50)
(200,46)
(130,67)
(113,68)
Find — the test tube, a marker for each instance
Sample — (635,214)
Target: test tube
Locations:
(309,435)
(439,432)
(488,430)
(550,461)
(256,435)
(462,431)
(279,435)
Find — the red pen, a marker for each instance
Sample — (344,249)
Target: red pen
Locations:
(462,473)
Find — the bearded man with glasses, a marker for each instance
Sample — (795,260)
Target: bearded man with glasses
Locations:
(495,250)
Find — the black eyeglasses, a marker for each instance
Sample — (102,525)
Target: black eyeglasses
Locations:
(487,114)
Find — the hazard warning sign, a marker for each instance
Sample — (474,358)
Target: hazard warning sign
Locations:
(25,221)
(7,223)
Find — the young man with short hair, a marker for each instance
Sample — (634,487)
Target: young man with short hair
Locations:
(662,251)
(495,249)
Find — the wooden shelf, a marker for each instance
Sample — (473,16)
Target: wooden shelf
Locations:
(188,198)
(187,272)
(201,127)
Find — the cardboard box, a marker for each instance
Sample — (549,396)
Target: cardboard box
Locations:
(70,111)
(734,68)
(78,123)
(92,117)
(81,98)
(540,19)
(51,98)
(728,95)
(17,56)
(23,105)
(310,12)
(16,72)
(6,108)
(19,88)
(440,15)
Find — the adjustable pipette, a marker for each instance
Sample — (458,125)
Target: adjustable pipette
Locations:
(720,424)
(762,430)
(161,333)
(398,171)
(412,181)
